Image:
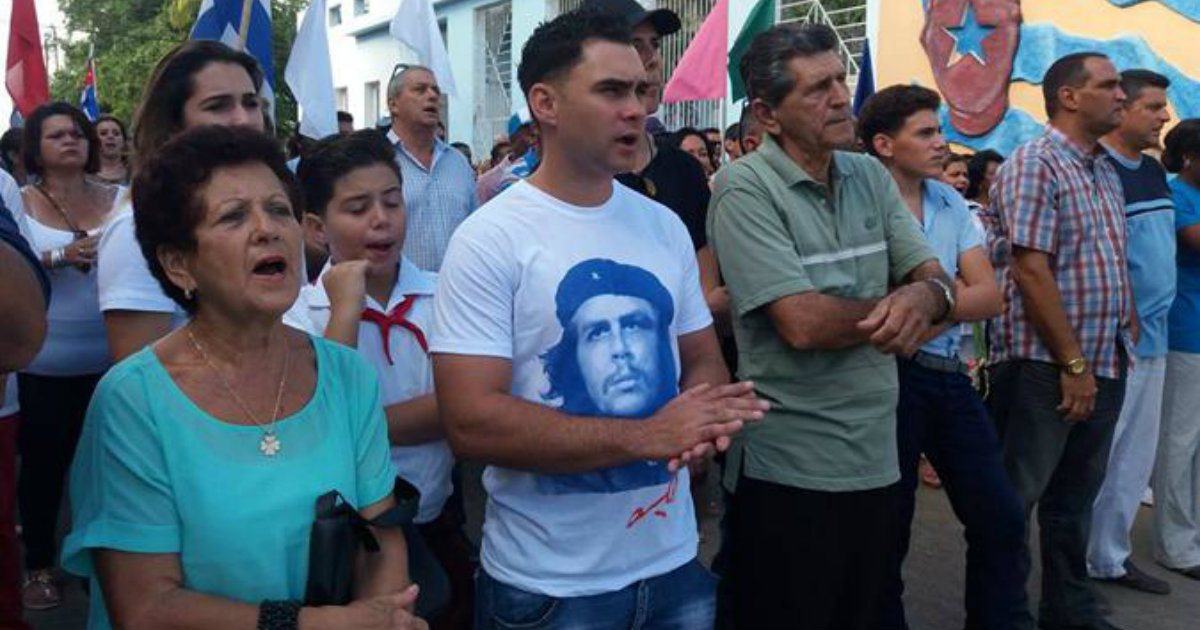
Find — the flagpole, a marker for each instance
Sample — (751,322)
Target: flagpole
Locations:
(244,27)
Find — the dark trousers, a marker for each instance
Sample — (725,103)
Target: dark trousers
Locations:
(454,552)
(940,414)
(807,559)
(10,551)
(52,411)
(1058,467)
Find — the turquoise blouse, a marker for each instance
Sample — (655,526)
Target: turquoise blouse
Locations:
(154,473)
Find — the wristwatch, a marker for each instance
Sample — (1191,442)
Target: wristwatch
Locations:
(1075,367)
(947,293)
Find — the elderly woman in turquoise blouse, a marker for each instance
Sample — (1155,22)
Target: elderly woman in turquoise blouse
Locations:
(202,455)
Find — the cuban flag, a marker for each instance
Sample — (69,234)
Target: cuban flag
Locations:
(243,25)
(87,100)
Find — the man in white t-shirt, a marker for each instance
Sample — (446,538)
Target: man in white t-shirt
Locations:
(568,318)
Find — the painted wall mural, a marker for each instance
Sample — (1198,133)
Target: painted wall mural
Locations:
(987,57)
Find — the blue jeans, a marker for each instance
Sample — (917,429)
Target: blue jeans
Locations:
(683,599)
(941,415)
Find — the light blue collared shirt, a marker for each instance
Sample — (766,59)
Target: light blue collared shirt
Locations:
(436,200)
(951,230)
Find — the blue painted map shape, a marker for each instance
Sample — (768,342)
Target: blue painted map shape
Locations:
(1187,8)
(1016,127)
(1041,45)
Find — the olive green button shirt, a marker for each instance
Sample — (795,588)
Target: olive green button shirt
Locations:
(777,232)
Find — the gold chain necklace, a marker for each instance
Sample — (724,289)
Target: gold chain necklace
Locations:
(270,444)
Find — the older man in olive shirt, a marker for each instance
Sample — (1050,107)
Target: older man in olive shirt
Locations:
(830,276)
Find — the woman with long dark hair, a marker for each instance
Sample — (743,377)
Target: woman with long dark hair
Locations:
(197,83)
(65,209)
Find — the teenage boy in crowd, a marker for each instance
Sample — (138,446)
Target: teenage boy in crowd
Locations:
(371,297)
(940,413)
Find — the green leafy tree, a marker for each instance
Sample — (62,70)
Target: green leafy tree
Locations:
(130,36)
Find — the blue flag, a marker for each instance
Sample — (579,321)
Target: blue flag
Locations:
(222,20)
(866,79)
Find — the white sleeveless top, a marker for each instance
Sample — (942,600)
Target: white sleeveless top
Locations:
(76,340)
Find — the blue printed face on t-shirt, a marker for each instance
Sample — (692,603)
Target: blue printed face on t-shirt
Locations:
(614,359)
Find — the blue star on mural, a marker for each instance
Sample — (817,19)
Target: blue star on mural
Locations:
(968,36)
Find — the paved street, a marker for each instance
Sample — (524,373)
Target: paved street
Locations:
(934,575)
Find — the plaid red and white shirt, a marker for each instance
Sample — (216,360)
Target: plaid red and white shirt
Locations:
(1053,196)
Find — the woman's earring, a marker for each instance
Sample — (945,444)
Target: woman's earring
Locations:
(187,293)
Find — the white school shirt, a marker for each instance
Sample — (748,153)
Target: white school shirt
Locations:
(580,534)
(123,277)
(427,466)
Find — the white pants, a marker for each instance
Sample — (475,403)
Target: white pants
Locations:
(1130,462)
(1177,471)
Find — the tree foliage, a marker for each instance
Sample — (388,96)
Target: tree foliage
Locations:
(130,36)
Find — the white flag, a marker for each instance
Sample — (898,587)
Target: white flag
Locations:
(416,25)
(310,75)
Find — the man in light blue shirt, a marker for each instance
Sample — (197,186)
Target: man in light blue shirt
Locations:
(939,412)
(438,182)
(1150,223)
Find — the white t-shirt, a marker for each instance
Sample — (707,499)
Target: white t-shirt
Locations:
(623,276)
(76,341)
(408,375)
(10,194)
(123,277)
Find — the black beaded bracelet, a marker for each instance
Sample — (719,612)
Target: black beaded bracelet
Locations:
(279,614)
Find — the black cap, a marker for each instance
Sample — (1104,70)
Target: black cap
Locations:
(665,21)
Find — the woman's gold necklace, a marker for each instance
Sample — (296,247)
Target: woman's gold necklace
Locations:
(270,444)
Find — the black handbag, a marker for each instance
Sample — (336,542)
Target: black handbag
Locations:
(338,531)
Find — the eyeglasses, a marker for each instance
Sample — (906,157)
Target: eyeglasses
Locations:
(400,67)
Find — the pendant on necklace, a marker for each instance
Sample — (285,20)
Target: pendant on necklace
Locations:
(269,445)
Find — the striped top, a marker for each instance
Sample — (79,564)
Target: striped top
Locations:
(1150,223)
(1055,197)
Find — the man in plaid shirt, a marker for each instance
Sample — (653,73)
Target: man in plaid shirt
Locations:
(1060,346)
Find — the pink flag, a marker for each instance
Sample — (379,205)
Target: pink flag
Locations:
(700,74)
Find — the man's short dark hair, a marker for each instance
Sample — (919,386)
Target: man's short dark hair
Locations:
(556,46)
(332,158)
(1135,80)
(888,110)
(168,203)
(733,132)
(1181,143)
(764,67)
(345,117)
(1069,71)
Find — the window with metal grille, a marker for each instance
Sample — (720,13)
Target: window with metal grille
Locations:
(493,74)
(848,18)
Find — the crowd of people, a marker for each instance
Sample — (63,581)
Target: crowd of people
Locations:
(206,337)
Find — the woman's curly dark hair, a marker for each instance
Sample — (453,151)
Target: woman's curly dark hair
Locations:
(167,206)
